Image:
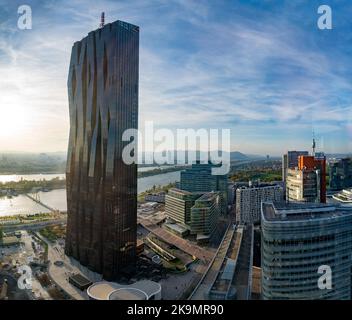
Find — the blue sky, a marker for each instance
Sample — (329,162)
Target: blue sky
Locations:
(261,68)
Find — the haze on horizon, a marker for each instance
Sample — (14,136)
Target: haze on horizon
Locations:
(261,68)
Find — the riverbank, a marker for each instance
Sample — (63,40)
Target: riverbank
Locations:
(156,171)
(13,185)
(12,188)
(56,199)
(23,219)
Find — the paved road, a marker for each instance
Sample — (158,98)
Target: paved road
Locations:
(34,225)
(60,274)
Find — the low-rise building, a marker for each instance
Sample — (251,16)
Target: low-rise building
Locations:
(177,229)
(155,197)
(140,290)
(344,197)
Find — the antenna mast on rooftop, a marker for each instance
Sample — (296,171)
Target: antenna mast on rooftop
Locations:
(313,145)
(102,20)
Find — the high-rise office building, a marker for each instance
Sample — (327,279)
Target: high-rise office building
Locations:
(249,199)
(178,204)
(307,182)
(317,163)
(101,187)
(199,178)
(197,212)
(298,238)
(290,161)
(340,174)
(302,185)
(204,215)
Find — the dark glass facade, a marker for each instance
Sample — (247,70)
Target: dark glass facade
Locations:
(199,178)
(101,188)
(340,174)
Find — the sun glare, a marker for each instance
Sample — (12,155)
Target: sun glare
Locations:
(12,121)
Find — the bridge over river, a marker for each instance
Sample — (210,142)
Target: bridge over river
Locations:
(36,198)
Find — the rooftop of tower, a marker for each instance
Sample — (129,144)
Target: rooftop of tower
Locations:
(110,26)
(294,211)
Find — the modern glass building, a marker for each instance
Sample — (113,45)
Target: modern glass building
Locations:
(204,215)
(297,239)
(101,188)
(340,174)
(178,204)
(199,178)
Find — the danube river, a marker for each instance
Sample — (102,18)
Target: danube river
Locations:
(57,198)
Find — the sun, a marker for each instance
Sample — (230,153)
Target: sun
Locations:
(12,121)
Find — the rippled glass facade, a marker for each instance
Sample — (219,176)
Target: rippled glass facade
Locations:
(199,178)
(299,238)
(204,214)
(178,204)
(101,188)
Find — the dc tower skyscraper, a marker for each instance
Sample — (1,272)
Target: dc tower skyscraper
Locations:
(101,188)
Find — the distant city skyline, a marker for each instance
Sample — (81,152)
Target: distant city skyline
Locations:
(261,68)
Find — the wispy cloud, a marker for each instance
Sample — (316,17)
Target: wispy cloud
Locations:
(202,64)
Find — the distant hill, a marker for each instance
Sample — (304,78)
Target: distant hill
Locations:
(234,155)
(26,163)
(55,162)
(239,156)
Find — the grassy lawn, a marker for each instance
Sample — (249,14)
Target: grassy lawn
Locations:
(52,233)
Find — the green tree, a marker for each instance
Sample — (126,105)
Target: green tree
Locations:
(1,233)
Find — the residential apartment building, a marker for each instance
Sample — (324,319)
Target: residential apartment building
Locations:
(249,199)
